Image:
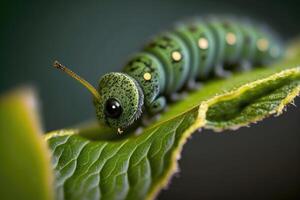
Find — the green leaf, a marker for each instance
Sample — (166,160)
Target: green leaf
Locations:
(25,171)
(95,163)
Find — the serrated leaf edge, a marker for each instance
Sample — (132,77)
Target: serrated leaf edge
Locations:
(201,121)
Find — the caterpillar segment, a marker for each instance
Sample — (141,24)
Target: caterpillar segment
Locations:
(201,47)
(148,71)
(191,51)
(175,59)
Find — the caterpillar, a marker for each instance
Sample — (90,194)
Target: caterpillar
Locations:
(174,60)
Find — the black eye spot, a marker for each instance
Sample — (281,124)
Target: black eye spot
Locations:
(113,108)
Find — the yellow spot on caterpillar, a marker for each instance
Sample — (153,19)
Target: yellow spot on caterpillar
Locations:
(203,43)
(230,38)
(147,76)
(176,55)
(262,44)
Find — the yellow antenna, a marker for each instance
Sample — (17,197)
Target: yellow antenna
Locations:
(86,84)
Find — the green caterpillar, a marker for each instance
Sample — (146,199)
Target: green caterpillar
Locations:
(175,60)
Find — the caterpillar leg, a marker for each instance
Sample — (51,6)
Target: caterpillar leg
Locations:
(177,96)
(157,105)
(139,130)
(244,66)
(148,119)
(220,72)
(153,113)
(193,85)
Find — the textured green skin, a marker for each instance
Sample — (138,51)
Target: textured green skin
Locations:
(127,91)
(219,36)
(183,32)
(250,39)
(201,60)
(169,76)
(233,52)
(162,47)
(143,63)
(265,57)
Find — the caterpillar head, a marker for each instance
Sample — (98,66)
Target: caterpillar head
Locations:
(118,100)
(121,100)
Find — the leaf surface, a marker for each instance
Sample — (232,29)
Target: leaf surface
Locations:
(96,163)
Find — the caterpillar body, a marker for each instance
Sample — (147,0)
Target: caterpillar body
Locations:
(176,59)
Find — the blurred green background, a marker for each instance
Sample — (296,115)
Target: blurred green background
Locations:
(95,37)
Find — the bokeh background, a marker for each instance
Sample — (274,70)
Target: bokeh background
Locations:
(95,37)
